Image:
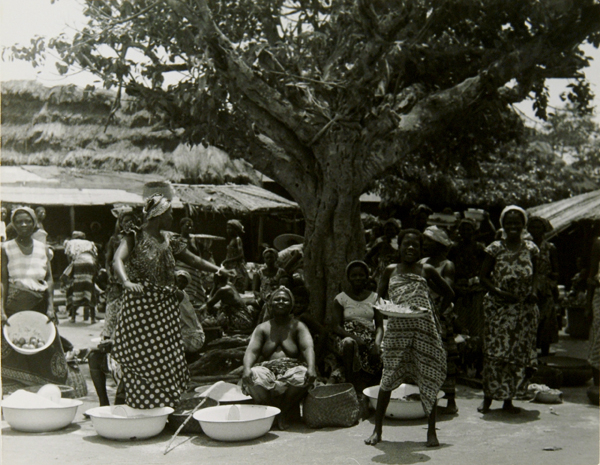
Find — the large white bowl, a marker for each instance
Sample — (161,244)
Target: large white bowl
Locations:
(125,423)
(399,408)
(237,422)
(41,420)
(26,324)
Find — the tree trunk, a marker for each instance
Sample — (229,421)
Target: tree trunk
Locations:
(334,232)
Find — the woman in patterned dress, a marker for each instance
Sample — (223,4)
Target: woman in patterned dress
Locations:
(148,344)
(511,313)
(357,329)
(413,351)
(27,285)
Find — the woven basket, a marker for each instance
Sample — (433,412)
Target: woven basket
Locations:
(188,403)
(331,405)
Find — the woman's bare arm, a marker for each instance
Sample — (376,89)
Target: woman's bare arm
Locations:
(119,259)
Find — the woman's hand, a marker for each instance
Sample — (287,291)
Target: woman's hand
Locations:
(4,319)
(375,349)
(247,377)
(134,288)
(51,315)
(311,375)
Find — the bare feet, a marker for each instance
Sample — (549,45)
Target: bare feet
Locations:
(432,440)
(448,410)
(485,406)
(510,408)
(282,422)
(373,439)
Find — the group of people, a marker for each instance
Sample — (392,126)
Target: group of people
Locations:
(156,304)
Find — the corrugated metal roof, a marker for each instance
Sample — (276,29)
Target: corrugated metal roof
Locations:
(233,198)
(564,212)
(67,197)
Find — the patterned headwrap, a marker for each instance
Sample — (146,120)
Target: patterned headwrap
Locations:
(358,263)
(187,219)
(155,206)
(185,274)
(27,210)
(237,225)
(284,290)
(438,235)
(513,208)
(77,235)
(393,222)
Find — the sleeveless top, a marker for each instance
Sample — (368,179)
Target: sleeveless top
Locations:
(152,261)
(357,309)
(27,270)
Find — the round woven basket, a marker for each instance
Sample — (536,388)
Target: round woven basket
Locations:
(187,404)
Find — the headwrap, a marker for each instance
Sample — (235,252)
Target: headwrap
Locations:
(357,263)
(27,210)
(237,225)
(513,208)
(77,235)
(155,206)
(285,290)
(421,208)
(438,235)
(270,250)
(185,274)
(547,225)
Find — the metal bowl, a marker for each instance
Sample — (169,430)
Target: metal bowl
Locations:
(27,324)
(122,422)
(236,422)
(399,407)
(41,420)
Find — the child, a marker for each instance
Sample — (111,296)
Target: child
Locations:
(412,347)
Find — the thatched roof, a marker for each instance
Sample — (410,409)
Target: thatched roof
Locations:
(70,127)
(565,212)
(232,198)
(52,185)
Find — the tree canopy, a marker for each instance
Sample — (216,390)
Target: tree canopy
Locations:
(324,96)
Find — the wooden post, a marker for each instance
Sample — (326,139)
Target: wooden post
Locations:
(261,227)
(72,218)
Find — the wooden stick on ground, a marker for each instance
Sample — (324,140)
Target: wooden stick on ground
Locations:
(206,395)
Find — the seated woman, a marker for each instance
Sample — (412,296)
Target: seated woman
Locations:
(279,364)
(234,314)
(357,329)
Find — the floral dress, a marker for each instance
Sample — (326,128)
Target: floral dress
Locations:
(148,343)
(510,328)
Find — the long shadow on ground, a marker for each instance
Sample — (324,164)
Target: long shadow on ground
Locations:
(403,452)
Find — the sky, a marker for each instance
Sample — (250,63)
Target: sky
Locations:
(23,19)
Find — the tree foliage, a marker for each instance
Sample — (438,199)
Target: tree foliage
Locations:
(324,96)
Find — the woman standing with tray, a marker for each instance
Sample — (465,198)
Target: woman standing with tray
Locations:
(412,345)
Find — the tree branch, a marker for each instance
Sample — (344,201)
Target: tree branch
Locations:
(239,74)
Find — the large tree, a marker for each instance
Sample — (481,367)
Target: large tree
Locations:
(325,95)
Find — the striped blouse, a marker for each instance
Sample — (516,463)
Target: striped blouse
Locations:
(27,270)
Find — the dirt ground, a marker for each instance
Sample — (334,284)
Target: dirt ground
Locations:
(543,434)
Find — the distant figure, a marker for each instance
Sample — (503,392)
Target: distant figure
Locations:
(40,233)
(592,309)
(79,276)
(192,333)
(195,290)
(420,215)
(279,364)
(266,278)
(383,253)
(233,313)
(235,258)
(3,223)
(546,284)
